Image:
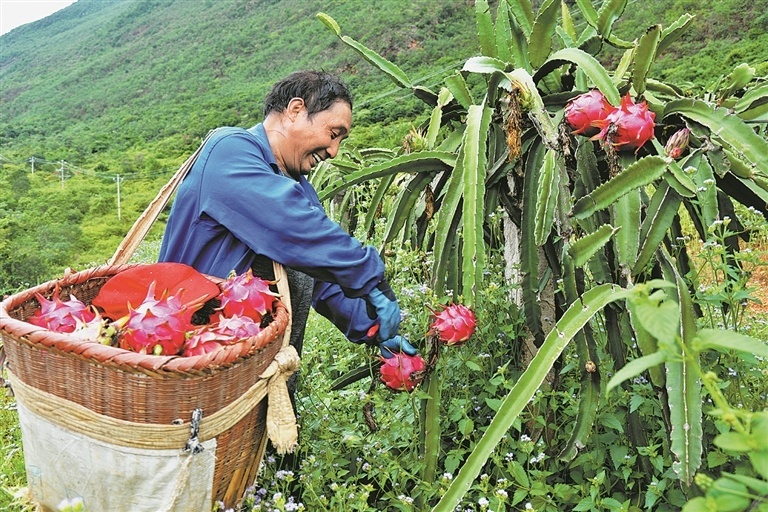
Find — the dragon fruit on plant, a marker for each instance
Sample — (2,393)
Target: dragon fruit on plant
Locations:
(156,326)
(61,316)
(628,127)
(246,295)
(454,324)
(583,110)
(400,372)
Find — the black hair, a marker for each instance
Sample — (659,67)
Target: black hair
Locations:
(318,89)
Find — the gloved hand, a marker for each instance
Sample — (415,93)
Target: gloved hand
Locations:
(396,344)
(387,310)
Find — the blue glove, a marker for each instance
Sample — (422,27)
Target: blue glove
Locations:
(396,344)
(387,312)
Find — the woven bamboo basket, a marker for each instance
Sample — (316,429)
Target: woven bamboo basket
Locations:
(145,389)
(149,401)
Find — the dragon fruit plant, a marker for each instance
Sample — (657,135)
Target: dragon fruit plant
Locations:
(61,316)
(246,295)
(583,110)
(454,324)
(401,372)
(627,127)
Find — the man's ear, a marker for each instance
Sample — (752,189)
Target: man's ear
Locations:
(295,106)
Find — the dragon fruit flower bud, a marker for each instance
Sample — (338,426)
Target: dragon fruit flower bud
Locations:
(633,125)
(454,324)
(678,143)
(398,371)
(583,110)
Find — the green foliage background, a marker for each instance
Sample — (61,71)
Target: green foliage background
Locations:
(124,91)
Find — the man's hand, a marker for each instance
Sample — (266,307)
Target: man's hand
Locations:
(396,344)
(387,310)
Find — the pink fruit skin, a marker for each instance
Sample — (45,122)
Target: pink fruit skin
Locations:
(60,316)
(246,295)
(634,125)
(396,372)
(156,323)
(583,110)
(454,324)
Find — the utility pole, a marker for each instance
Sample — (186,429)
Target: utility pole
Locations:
(118,180)
(32,161)
(61,170)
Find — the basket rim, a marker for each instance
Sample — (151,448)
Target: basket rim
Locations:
(24,332)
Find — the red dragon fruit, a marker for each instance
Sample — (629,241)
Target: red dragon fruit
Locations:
(454,324)
(227,331)
(156,326)
(61,316)
(246,295)
(632,122)
(584,109)
(202,341)
(400,372)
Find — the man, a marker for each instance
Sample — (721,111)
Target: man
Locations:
(246,202)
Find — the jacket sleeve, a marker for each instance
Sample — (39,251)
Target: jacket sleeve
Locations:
(352,316)
(281,218)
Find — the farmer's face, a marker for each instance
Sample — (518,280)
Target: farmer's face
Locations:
(317,138)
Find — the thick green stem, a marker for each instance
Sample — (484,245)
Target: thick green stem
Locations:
(431,426)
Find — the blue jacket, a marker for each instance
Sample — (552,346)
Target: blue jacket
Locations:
(235,203)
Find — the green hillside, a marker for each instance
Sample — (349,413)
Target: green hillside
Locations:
(105,93)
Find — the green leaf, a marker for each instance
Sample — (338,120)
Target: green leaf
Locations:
(404,204)
(484,64)
(684,388)
(608,13)
(458,87)
(645,342)
(540,40)
(546,196)
(727,127)
(567,24)
(377,200)
(673,32)
(634,368)
(643,172)
(626,214)
(737,79)
(588,11)
(760,486)
(572,321)
(661,320)
(734,442)
(330,23)
(529,255)
(485,28)
(588,64)
(473,166)
(660,215)
(503,33)
(644,57)
(522,11)
(411,163)
(724,341)
(585,247)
